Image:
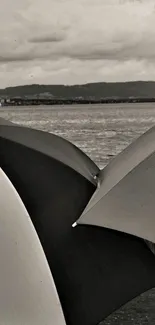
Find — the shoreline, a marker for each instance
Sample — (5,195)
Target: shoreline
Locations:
(63,102)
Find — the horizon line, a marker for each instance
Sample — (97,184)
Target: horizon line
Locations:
(80,84)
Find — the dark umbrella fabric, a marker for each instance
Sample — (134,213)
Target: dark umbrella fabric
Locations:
(95,270)
(51,145)
(5,122)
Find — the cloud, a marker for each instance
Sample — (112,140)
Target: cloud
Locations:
(46,39)
(75,41)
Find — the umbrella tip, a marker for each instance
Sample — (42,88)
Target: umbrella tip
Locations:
(97,179)
(74,224)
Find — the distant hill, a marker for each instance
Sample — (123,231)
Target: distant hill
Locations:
(93,90)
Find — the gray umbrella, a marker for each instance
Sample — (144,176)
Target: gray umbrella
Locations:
(125,197)
(5,122)
(50,145)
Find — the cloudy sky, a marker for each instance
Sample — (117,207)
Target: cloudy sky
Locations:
(76,41)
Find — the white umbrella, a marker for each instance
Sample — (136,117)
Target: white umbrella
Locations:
(27,290)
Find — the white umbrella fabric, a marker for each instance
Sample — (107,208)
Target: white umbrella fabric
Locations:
(27,291)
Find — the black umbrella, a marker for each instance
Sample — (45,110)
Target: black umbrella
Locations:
(95,270)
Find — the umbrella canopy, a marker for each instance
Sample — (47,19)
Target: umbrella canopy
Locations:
(5,122)
(124,199)
(95,270)
(28,294)
(52,146)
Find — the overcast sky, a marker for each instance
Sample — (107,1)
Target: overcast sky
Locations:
(76,41)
